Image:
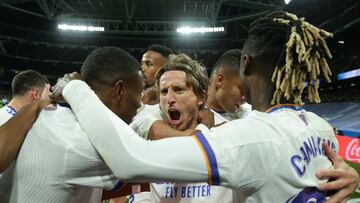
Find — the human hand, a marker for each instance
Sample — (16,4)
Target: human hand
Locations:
(45,100)
(45,94)
(346,178)
(56,94)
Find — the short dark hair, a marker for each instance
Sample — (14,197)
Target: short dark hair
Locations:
(229,61)
(161,49)
(108,64)
(26,80)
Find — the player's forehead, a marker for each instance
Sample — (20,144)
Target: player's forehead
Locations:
(151,56)
(173,78)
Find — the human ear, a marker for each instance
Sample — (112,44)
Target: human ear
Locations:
(35,94)
(201,100)
(219,80)
(119,88)
(247,64)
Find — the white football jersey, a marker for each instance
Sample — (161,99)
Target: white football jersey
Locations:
(184,192)
(145,117)
(56,163)
(265,157)
(166,192)
(6,113)
(243,110)
(278,153)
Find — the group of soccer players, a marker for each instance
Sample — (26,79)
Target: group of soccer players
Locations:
(215,150)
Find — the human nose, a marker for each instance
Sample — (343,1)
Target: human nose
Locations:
(170,97)
(143,67)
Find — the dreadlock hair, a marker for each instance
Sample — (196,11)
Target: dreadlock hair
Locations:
(298,50)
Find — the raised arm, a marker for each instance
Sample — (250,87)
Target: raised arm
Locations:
(148,123)
(160,129)
(13,132)
(132,158)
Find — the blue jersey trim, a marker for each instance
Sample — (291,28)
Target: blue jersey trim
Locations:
(64,105)
(215,178)
(309,194)
(117,186)
(10,110)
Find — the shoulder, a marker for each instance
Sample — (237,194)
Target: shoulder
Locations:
(57,120)
(150,109)
(255,128)
(148,113)
(318,119)
(255,118)
(219,118)
(244,110)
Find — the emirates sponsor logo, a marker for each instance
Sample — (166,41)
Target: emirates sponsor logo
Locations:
(353,151)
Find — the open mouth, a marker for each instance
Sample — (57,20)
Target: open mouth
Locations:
(175,116)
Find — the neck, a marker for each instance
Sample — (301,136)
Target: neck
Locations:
(213,104)
(211,101)
(18,102)
(261,95)
(214,107)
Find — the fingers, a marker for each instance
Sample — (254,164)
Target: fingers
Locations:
(344,177)
(72,76)
(75,75)
(339,197)
(346,181)
(332,155)
(45,102)
(341,172)
(46,92)
(57,89)
(333,185)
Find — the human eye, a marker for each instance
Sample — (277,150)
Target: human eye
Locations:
(179,89)
(163,91)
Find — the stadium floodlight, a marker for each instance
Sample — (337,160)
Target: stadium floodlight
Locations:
(287,1)
(349,74)
(188,30)
(81,28)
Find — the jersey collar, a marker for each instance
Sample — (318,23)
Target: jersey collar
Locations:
(284,106)
(10,110)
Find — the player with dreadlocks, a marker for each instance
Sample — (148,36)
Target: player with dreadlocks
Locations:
(272,155)
(301,60)
(305,57)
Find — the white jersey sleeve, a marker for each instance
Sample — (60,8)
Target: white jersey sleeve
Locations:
(6,113)
(130,157)
(145,117)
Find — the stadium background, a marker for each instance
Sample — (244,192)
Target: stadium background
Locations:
(30,39)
